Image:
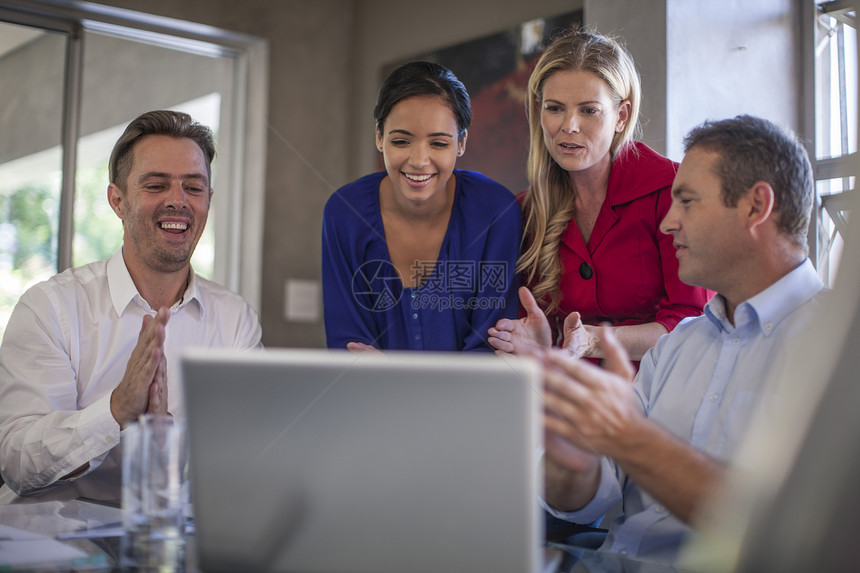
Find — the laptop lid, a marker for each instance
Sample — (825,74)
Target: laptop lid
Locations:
(312,461)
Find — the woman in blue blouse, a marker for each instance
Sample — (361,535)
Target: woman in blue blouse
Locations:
(422,255)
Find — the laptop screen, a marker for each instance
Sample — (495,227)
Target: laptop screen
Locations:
(311,460)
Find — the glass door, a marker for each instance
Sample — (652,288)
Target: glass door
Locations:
(71,79)
(122,78)
(32,68)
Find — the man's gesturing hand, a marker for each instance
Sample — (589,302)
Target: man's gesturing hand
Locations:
(143,388)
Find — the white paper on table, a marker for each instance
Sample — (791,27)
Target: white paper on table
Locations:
(19,547)
(63,519)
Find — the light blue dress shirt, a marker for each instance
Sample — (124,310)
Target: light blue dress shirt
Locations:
(702,382)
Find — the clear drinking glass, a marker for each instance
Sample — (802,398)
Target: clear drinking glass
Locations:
(153,495)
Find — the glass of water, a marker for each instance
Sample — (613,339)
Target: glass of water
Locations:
(153,495)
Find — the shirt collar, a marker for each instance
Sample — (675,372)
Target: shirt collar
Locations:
(123,292)
(772,305)
(192,296)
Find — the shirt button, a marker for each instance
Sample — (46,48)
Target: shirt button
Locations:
(659,509)
(768,326)
(715,397)
(415,315)
(110,439)
(414,294)
(736,341)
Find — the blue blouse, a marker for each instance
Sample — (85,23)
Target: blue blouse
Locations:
(470,287)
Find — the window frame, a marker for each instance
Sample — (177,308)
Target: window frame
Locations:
(840,167)
(241,163)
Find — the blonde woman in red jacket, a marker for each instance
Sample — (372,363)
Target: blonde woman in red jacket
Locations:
(592,249)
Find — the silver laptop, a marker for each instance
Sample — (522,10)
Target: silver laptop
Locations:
(312,461)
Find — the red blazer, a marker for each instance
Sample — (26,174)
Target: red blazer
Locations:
(632,273)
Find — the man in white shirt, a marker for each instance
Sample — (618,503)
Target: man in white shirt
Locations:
(88,351)
(741,203)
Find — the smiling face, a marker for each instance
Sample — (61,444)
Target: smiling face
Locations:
(709,237)
(419,145)
(580,118)
(165,203)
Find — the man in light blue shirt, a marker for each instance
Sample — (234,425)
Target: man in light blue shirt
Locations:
(741,203)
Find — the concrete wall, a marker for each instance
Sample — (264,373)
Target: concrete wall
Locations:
(731,57)
(325,60)
(311,46)
(701,59)
(641,26)
(697,58)
(393,30)
(31,107)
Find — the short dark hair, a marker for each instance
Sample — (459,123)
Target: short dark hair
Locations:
(424,79)
(752,149)
(159,122)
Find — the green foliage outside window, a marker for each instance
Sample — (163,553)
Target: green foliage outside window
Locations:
(28,252)
(28,233)
(98,231)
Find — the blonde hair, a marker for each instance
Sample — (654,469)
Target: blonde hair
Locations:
(549,204)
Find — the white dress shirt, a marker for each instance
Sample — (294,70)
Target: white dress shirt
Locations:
(64,351)
(703,382)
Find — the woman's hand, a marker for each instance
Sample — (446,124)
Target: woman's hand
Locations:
(361,347)
(580,340)
(523,335)
(583,340)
